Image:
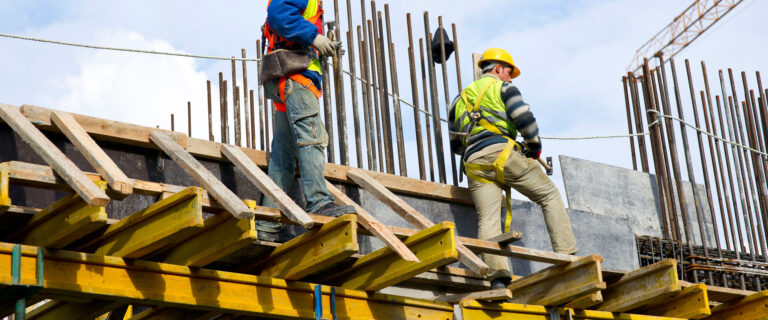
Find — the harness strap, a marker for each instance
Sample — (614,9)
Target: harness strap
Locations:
(498,167)
(302,80)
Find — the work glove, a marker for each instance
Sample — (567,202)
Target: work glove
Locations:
(324,45)
(533,150)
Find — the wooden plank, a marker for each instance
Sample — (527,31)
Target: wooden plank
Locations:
(100,161)
(53,156)
(488,295)
(434,246)
(721,294)
(267,186)
(752,307)
(478,310)
(205,178)
(136,135)
(413,217)
(160,284)
(63,222)
(691,303)
(230,234)
(369,222)
(586,302)
(317,250)
(162,224)
(558,285)
(5,184)
(507,237)
(641,287)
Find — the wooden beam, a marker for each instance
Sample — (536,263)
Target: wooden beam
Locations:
(586,302)
(53,156)
(131,134)
(434,246)
(753,307)
(488,295)
(230,234)
(478,310)
(369,222)
(100,161)
(691,303)
(267,186)
(160,225)
(507,237)
(65,221)
(5,184)
(317,250)
(641,287)
(558,285)
(160,284)
(413,217)
(205,178)
(721,294)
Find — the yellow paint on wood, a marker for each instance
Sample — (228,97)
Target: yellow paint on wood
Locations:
(314,251)
(434,246)
(63,222)
(163,223)
(5,199)
(56,310)
(160,284)
(753,307)
(560,284)
(641,287)
(476,310)
(586,302)
(691,303)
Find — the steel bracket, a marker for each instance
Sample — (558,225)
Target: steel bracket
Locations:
(21,292)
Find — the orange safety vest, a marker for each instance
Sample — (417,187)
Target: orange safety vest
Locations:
(278,42)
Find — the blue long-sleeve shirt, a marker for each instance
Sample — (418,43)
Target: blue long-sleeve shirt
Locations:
(285,18)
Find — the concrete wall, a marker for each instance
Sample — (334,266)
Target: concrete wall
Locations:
(628,194)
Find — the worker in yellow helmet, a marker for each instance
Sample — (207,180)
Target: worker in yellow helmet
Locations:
(485,120)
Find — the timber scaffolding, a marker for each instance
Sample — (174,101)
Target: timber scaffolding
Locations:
(79,245)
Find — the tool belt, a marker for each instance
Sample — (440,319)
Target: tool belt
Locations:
(283,62)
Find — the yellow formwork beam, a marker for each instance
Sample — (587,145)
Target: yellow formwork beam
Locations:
(586,302)
(641,287)
(314,251)
(434,246)
(558,285)
(475,310)
(691,303)
(230,234)
(56,310)
(161,284)
(5,199)
(162,224)
(170,314)
(63,222)
(752,307)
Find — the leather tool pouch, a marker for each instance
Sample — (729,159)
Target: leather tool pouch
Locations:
(282,62)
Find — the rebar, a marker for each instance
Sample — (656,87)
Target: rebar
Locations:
(189,119)
(385,112)
(426,108)
(262,115)
(353,86)
(248,111)
(435,106)
(396,91)
(738,245)
(624,84)
(338,84)
(638,122)
(415,98)
(330,151)
(758,172)
(375,90)
(236,105)
(370,131)
(222,112)
(210,111)
(173,127)
(746,182)
(446,94)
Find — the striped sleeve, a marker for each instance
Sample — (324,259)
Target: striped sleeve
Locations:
(520,113)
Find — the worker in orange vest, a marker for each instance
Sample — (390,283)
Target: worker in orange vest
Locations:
(294,32)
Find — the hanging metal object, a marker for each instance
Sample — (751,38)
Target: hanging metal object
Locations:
(440,37)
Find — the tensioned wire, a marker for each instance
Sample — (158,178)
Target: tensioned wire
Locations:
(197,56)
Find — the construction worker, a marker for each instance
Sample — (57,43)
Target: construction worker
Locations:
(484,120)
(299,135)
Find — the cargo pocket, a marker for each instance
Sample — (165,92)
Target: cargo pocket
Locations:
(304,113)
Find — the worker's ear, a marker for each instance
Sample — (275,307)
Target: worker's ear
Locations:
(498,69)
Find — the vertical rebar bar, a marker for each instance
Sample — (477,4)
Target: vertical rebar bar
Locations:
(629,123)
(253,122)
(210,111)
(738,245)
(746,182)
(707,184)
(758,172)
(189,119)
(396,100)
(435,105)
(330,151)
(456,54)
(415,99)
(638,122)
(338,84)
(381,89)
(173,126)
(236,105)
(248,115)
(222,112)
(262,115)
(386,112)
(375,90)
(370,142)
(664,107)
(446,94)
(226,111)
(353,86)
(428,114)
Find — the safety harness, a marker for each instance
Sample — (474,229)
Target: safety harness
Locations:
(498,166)
(278,42)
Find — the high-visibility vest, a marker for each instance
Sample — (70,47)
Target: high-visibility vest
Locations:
(483,98)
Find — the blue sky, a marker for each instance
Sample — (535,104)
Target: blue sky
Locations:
(572,55)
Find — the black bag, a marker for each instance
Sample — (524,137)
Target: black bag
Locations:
(282,62)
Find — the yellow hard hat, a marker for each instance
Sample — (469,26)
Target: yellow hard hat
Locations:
(500,55)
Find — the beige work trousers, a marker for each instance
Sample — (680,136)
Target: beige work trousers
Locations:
(526,176)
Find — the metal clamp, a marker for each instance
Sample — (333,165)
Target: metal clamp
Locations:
(21,292)
(554,314)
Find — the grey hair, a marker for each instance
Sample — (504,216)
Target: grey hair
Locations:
(489,67)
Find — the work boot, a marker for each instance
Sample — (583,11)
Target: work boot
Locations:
(500,283)
(333,210)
